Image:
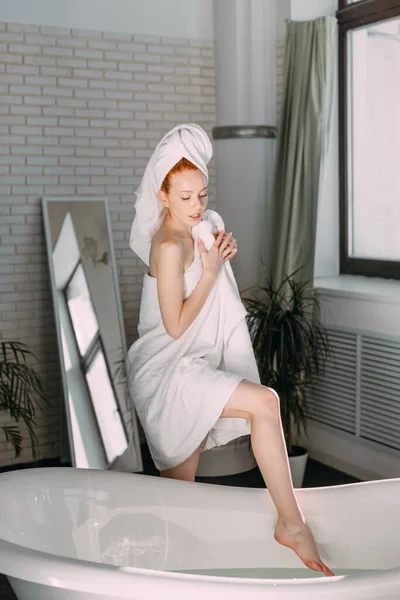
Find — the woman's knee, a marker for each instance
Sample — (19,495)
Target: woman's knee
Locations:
(267,404)
(251,400)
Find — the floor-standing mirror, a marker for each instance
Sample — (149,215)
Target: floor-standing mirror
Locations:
(101,422)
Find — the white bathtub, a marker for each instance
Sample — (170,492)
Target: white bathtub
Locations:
(83,534)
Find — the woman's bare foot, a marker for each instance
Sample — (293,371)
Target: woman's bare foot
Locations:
(299,538)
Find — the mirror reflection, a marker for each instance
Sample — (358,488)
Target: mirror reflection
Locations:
(101,424)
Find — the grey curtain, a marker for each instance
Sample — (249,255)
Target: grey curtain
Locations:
(302,141)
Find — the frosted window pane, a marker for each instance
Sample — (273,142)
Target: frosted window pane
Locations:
(105,406)
(374,144)
(81,309)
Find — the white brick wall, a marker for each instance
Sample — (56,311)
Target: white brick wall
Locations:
(280,57)
(80,113)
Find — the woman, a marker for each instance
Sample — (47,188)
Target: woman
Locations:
(192,372)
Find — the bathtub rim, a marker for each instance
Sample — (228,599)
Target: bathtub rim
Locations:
(15,558)
(80,471)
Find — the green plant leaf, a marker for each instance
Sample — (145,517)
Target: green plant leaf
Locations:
(21,392)
(290,344)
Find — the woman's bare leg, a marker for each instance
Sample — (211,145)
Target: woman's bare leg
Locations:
(186,470)
(260,405)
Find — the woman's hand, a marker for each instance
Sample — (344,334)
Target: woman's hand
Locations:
(224,248)
(232,240)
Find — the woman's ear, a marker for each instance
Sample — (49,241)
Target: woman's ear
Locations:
(163,198)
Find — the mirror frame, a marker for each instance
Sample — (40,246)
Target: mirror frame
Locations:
(134,449)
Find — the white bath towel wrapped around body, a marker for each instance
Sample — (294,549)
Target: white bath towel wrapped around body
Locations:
(180,386)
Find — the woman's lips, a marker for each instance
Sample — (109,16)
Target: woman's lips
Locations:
(195,218)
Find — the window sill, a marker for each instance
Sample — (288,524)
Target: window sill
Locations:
(357,286)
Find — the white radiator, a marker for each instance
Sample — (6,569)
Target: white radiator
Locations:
(359,393)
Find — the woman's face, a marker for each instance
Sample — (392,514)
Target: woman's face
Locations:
(187,199)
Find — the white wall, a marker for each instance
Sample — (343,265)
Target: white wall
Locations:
(173,18)
(304,10)
(282,13)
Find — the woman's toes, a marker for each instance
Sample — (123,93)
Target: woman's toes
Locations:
(319,566)
(329,573)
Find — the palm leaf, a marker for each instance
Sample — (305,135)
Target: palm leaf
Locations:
(21,392)
(291,346)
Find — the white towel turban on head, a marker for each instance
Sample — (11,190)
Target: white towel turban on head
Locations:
(188,140)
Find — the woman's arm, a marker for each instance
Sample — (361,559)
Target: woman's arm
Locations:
(178,314)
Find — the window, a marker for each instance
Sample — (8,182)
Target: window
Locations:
(369,88)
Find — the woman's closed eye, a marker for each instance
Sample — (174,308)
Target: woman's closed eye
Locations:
(188,197)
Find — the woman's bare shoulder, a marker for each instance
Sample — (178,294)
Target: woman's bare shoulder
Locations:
(164,243)
(164,238)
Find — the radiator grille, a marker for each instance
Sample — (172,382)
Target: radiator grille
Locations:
(380,391)
(332,399)
(360,390)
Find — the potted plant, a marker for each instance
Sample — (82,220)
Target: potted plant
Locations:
(291,347)
(20,391)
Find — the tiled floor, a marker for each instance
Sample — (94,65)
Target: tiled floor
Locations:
(316,474)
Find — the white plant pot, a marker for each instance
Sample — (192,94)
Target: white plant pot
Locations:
(298,465)
(230,459)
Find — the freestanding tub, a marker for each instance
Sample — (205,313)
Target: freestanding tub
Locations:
(70,533)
